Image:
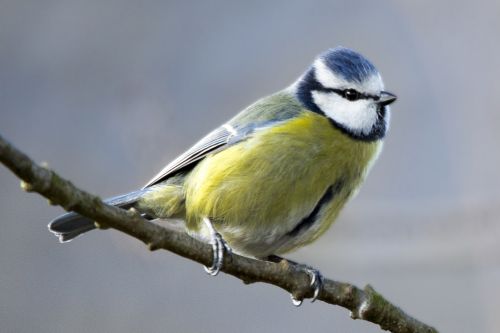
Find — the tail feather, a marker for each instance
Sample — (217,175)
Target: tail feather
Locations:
(71,225)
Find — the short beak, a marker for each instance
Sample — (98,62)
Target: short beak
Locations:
(386,98)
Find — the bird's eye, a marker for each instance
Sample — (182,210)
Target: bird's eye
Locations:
(351,94)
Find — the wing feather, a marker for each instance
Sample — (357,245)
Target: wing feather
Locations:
(264,113)
(212,141)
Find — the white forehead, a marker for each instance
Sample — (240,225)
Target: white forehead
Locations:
(373,85)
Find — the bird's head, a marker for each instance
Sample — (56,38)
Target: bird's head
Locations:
(345,87)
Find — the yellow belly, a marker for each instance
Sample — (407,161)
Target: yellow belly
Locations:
(257,191)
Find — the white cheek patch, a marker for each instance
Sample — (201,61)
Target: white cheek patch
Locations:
(358,116)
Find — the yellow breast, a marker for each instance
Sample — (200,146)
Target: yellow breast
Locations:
(258,191)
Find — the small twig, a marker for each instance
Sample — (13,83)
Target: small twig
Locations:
(364,303)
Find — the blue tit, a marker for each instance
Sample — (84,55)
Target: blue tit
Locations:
(274,177)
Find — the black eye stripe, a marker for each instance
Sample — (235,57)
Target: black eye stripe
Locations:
(344,92)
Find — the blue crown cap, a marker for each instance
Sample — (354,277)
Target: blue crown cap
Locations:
(348,64)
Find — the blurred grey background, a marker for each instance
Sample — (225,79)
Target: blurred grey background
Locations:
(107,92)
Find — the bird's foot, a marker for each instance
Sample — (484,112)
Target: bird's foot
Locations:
(316,283)
(314,274)
(219,246)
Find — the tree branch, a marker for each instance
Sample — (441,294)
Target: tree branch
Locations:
(364,303)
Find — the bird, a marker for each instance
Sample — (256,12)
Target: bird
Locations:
(274,177)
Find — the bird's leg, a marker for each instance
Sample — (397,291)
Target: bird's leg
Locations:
(219,245)
(314,274)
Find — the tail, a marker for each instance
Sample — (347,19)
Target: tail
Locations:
(71,225)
